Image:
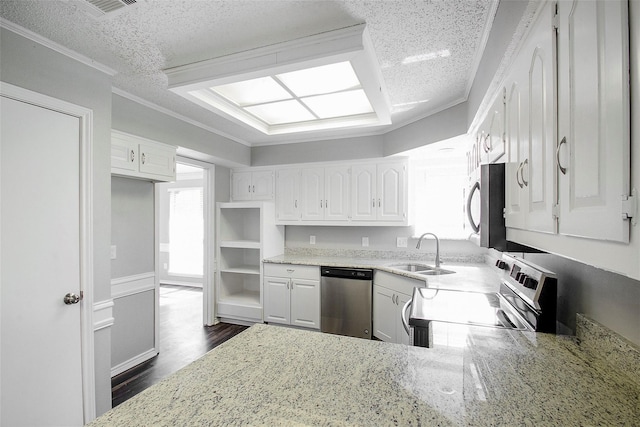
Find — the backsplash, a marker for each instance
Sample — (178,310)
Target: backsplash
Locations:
(602,343)
(382,254)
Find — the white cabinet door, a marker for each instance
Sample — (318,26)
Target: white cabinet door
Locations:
(312,194)
(495,140)
(288,194)
(402,337)
(124,153)
(392,191)
(336,191)
(241,185)
(593,101)
(305,303)
(363,193)
(156,160)
(384,311)
(538,170)
(277,300)
(516,129)
(262,185)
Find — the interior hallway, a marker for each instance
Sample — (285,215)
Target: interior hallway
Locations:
(183,339)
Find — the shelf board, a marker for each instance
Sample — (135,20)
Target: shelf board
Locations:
(242,269)
(247,244)
(245,298)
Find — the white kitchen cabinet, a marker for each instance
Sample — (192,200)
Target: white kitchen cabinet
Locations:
(593,119)
(252,185)
(292,295)
(390,293)
(379,192)
(246,234)
(136,157)
(337,189)
(312,194)
(530,132)
(288,195)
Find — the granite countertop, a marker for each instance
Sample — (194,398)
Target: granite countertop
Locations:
(468,276)
(270,375)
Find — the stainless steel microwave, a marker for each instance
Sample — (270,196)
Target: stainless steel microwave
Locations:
(485,210)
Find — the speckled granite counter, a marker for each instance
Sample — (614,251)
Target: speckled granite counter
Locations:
(270,375)
(475,277)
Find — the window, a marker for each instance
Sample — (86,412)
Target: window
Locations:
(438,187)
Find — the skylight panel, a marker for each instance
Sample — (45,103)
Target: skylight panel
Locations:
(255,91)
(282,112)
(339,104)
(320,80)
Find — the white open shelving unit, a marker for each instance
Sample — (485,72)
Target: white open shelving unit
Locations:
(246,235)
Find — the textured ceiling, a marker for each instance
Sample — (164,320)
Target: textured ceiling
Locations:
(141,40)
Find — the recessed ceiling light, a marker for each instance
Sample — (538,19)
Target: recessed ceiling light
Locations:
(327,81)
(426,56)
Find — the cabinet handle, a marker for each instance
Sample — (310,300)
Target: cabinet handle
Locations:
(485,144)
(143,158)
(249,189)
(320,202)
(326,204)
(373,203)
(525,163)
(379,205)
(562,169)
(290,270)
(393,299)
(518,175)
(295,203)
(254,188)
(133,156)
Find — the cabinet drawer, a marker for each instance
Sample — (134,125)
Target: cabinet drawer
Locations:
(310,272)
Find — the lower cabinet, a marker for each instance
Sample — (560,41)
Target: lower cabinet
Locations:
(292,295)
(390,293)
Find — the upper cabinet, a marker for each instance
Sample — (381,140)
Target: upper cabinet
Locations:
(340,194)
(251,185)
(530,129)
(136,157)
(593,119)
(379,192)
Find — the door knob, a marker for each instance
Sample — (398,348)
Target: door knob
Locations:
(71,298)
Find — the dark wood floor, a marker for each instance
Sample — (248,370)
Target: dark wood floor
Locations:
(183,339)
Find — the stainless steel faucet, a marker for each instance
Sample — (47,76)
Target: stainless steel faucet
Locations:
(437,247)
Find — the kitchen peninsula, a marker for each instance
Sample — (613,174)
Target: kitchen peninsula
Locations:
(271,375)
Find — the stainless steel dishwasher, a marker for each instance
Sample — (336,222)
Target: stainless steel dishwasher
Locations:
(346,300)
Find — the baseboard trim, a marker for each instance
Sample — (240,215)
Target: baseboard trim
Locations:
(134,361)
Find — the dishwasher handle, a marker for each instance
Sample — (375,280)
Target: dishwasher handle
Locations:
(405,322)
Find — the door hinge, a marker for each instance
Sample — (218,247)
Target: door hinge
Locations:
(555,21)
(630,206)
(555,211)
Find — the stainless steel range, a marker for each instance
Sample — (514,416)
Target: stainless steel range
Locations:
(526,301)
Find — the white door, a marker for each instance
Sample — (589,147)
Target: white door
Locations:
(336,192)
(41,367)
(241,186)
(288,195)
(593,99)
(305,303)
(312,194)
(262,185)
(391,191)
(384,311)
(363,193)
(277,300)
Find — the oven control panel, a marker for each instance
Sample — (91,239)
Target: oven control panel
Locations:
(525,278)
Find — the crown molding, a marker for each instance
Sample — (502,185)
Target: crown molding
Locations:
(56,47)
(175,115)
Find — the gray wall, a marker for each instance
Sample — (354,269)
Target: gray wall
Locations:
(137,119)
(32,66)
(133,330)
(608,298)
(380,239)
(132,226)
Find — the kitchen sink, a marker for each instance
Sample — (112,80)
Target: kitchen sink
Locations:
(422,269)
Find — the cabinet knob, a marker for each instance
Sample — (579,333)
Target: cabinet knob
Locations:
(525,163)
(143,158)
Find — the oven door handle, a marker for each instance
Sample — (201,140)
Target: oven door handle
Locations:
(505,319)
(405,322)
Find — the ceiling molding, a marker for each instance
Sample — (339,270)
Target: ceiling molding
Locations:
(175,115)
(56,47)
